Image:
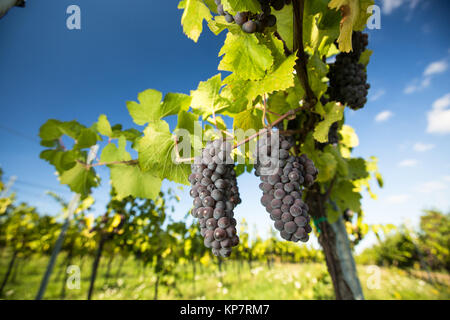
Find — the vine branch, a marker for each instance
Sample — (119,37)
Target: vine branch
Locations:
(300,66)
(89,166)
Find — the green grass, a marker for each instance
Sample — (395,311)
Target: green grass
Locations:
(236,281)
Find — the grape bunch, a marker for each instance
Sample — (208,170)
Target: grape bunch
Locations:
(215,193)
(282,178)
(348,78)
(252,22)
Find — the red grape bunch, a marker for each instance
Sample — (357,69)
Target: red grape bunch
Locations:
(283,177)
(215,193)
(348,77)
(254,22)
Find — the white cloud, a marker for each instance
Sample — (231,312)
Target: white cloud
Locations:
(442,102)
(436,68)
(398,198)
(432,186)
(439,116)
(383,116)
(390,5)
(422,147)
(408,163)
(377,95)
(417,86)
(447,178)
(432,69)
(410,89)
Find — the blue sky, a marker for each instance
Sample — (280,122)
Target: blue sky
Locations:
(48,71)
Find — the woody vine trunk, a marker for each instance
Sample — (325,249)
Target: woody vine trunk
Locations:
(333,236)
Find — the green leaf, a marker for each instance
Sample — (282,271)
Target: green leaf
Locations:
(173,103)
(71,128)
(112,153)
(285,25)
(342,166)
(195,11)
(189,121)
(157,154)
(349,137)
(79,179)
(50,130)
(248,119)
(131,181)
(86,139)
(278,103)
(234,6)
(103,126)
(150,108)
(357,169)
(344,195)
(61,160)
(55,129)
(206,99)
(363,15)
(334,112)
(327,165)
(147,109)
(245,56)
(365,57)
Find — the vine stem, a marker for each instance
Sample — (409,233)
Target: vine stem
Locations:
(290,114)
(300,67)
(88,166)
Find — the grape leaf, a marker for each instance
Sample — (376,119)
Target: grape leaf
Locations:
(245,56)
(157,154)
(80,180)
(195,11)
(334,112)
(344,195)
(357,169)
(234,6)
(342,166)
(189,121)
(285,25)
(61,160)
(248,119)
(86,139)
(327,165)
(55,129)
(103,126)
(112,153)
(206,99)
(50,130)
(349,137)
(129,179)
(365,57)
(150,108)
(350,11)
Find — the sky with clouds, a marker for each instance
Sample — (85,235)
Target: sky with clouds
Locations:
(51,72)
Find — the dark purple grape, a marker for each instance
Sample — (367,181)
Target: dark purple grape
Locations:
(224,222)
(220,234)
(240,18)
(290,227)
(249,26)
